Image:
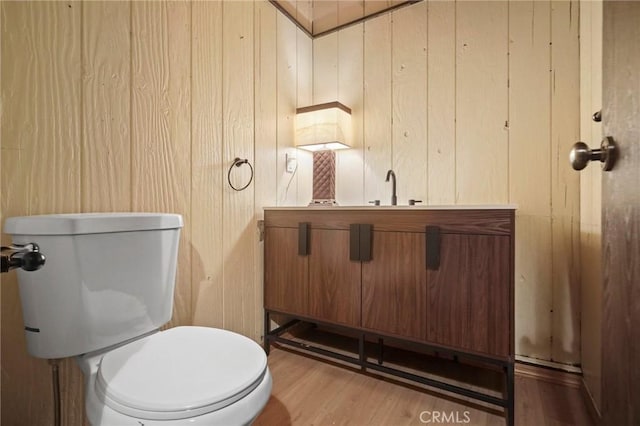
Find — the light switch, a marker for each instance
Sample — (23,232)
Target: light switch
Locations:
(291,163)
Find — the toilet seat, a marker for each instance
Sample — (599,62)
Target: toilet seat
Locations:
(180,373)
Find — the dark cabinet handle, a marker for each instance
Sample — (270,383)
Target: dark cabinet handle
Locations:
(303,238)
(433,247)
(360,242)
(366,236)
(354,242)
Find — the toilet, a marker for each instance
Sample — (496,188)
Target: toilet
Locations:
(102,295)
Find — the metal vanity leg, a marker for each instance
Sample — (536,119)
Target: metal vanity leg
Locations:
(267,330)
(361,353)
(510,407)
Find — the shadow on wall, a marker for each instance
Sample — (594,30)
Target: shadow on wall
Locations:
(547,299)
(206,290)
(226,289)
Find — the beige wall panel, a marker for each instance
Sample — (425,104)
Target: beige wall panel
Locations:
(591,309)
(529,107)
(533,286)
(590,102)
(304,68)
(266,133)
(529,154)
(325,15)
(325,68)
(106,101)
(325,89)
(41,169)
(304,96)
(591,199)
(378,153)
(287,103)
(349,162)
(41,128)
(41,90)
(565,190)
(239,230)
(586,102)
(207,169)
(409,88)
(481,102)
(441,107)
(161,129)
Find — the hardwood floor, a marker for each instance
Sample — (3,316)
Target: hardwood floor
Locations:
(309,391)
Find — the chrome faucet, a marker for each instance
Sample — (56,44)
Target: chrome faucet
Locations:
(394,197)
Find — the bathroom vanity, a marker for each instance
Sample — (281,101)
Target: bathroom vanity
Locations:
(439,278)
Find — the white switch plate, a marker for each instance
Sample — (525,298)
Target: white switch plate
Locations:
(291,163)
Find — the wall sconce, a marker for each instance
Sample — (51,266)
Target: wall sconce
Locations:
(323,129)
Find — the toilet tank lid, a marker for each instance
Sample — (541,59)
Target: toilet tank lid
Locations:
(90,223)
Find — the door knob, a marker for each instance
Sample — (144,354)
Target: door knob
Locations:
(580,154)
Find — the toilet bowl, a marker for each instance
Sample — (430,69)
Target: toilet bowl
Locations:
(181,376)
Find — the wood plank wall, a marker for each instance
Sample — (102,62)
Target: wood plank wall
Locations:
(591,198)
(473,102)
(142,106)
(116,106)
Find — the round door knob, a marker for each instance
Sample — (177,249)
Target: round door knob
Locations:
(580,154)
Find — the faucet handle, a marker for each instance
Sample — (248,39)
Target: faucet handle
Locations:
(375,202)
(413,202)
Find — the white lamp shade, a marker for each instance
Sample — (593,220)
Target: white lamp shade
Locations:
(323,127)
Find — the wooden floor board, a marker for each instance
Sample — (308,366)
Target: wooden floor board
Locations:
(310,391)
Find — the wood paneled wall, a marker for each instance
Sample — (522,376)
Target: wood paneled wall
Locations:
(591,198)
(473,102)
(116,106)
(142,106)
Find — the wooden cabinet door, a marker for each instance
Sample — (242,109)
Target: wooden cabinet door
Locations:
(334,280)
(394,285)
(286,286)
(469,300)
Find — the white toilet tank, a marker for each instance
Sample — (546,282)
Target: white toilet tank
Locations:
(108,277)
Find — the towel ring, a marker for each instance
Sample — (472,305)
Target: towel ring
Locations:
(239,162)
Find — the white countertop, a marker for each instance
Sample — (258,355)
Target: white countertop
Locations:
(404,207)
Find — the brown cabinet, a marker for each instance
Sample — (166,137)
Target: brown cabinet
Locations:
(468,296)
(286,273)
(334,280)
(394,285)
(434,278)
(311,275)
(450,288)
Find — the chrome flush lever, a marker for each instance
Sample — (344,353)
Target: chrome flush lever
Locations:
(25,256)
